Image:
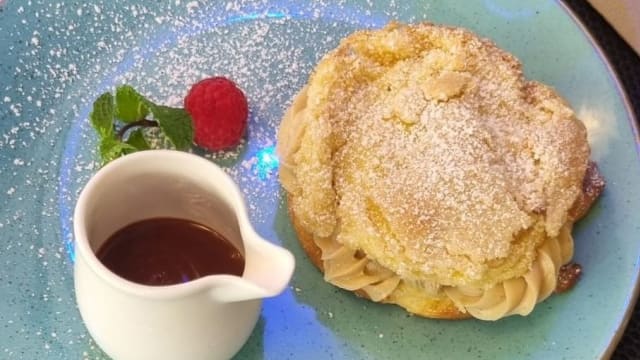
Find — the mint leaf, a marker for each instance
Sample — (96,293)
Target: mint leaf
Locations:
(130,105)
(112,148)
(136,139)
(128,111)
(101,116)
(175,123)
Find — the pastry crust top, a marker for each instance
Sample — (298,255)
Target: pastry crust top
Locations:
(424,147)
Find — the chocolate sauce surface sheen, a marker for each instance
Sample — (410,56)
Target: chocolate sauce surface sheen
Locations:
(167,251)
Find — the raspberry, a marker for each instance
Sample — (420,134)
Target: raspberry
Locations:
(219,112)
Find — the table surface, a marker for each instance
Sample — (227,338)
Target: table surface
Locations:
(627,64)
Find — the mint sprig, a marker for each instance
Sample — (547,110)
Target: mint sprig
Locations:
(175,123)
(130,105)
(136,140)
(119,122)
(102,115)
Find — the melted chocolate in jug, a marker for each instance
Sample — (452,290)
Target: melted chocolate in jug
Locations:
(167,251)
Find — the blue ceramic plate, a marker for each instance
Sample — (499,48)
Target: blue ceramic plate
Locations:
(56,57)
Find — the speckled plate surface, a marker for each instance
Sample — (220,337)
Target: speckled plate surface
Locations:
(56,57)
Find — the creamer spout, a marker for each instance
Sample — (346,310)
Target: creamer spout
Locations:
(268,269)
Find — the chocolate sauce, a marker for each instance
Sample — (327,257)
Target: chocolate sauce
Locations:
(167,251)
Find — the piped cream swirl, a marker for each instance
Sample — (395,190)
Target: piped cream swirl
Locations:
(344,268)
(519,295)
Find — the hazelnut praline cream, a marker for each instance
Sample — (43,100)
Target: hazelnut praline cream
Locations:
(423,169)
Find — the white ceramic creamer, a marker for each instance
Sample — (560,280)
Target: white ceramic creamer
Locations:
(207,318)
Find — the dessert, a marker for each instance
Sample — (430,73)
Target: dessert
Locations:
(423,169)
